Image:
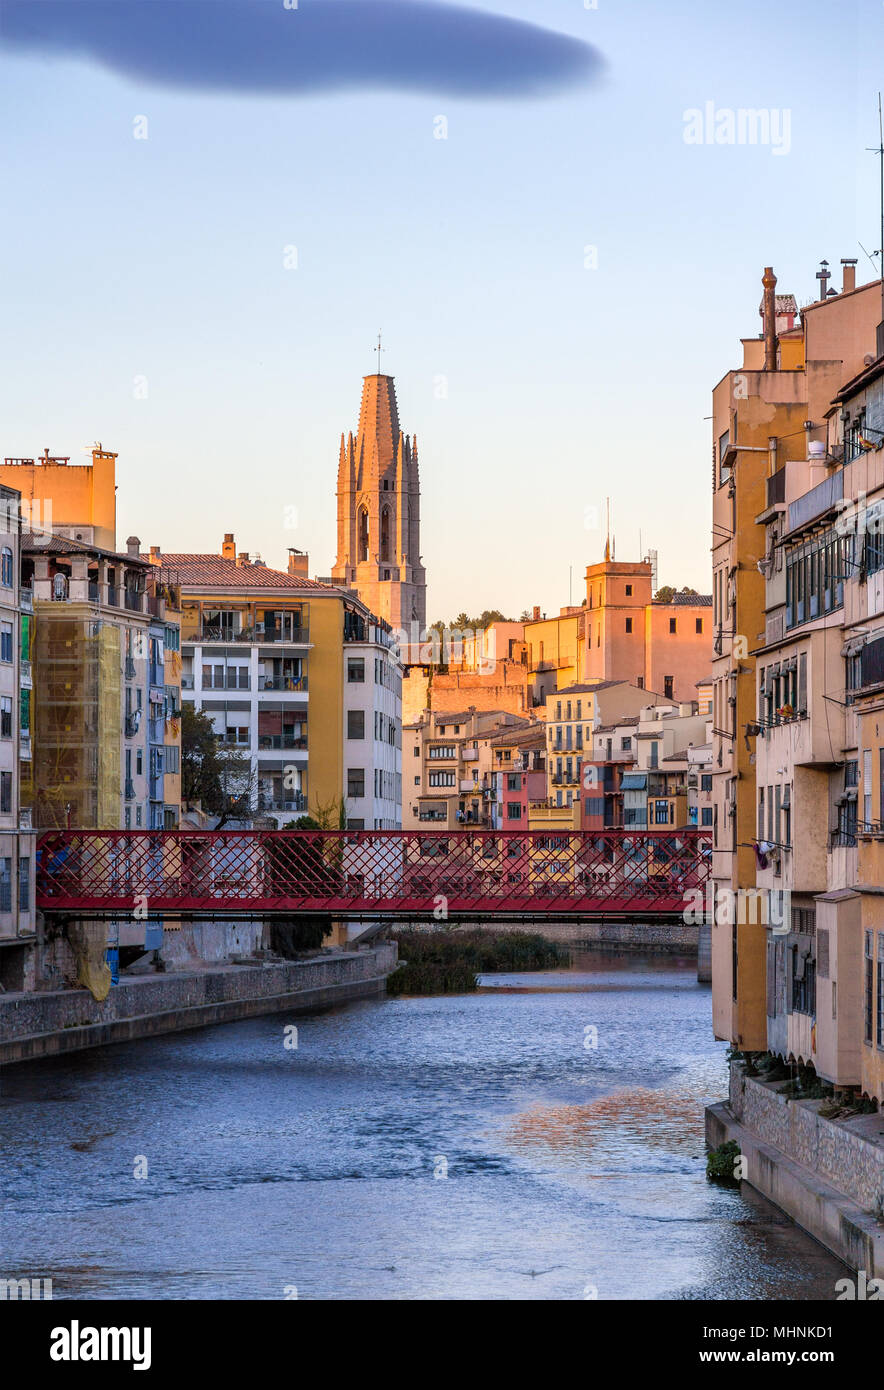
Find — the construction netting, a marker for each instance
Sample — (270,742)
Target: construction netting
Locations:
(77,721)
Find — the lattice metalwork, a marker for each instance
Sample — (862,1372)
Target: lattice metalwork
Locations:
(372,873)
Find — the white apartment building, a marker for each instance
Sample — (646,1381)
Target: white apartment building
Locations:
(17,838)
(372,731)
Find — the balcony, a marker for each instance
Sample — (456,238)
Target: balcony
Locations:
(24,744)
(469,755)
(129,791)
(468,785)
(129,668)
(133,723)
(776,487)
(94,593)
(113,596)
(134,601)
(293,801)
(26,597)
(284,684)
(25,675)
(267,742)
(187,680)
(817,501)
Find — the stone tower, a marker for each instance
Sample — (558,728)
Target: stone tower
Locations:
(379,513)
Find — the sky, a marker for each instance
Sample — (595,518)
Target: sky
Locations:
(209,216)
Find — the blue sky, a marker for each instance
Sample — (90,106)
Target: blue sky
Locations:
(159,264)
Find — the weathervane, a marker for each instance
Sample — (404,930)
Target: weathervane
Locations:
(379,350)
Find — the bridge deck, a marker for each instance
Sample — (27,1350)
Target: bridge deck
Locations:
(376,873)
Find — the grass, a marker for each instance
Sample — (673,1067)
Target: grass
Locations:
(450,961)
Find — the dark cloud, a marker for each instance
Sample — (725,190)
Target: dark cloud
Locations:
(322,45)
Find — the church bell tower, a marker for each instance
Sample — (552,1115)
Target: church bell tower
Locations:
(379,513)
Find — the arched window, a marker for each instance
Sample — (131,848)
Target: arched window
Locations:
(362,532)
(385,533)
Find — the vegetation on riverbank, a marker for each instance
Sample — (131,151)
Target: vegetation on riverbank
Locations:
(450,961)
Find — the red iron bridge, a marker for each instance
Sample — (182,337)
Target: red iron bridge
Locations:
(379,874)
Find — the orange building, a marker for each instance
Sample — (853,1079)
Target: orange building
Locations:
(77,500)
(630,636)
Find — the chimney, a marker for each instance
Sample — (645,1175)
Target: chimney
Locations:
(228,549)
(242,558)
(536,613)
(133,547)
(155,555)
(298,563)
(824,276)
(769,313)
(848,275)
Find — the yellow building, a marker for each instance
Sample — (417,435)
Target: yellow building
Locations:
(299,678)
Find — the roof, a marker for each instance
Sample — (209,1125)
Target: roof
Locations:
(41,543)
(621,723)
(686,601)
(219,572)
(533,735)
(579,689)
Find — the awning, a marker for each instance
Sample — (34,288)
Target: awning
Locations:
(634,781)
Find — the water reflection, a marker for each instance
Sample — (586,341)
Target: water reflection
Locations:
(267,1168)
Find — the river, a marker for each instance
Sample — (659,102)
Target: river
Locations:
(483,1146)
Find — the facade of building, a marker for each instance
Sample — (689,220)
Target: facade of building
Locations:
(78,500)
(789,599)
(288,669)
(17,838)
(378,495)
(448,762)
(630,636)
(518,775)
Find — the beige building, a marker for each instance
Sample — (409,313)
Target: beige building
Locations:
(447,766)
(798,475)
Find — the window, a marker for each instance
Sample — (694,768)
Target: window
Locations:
(362,534)
(6,568)
(514,810)
(724,469)
(626,745)
(417,781)
(869,982)
(441,779)
(355,669)
(5,885)
(356,781)
(668,686)
(706,815)
(705,781)
(24,884)
(172,639)
(355,723)
(513,782)
(629,591)
(5,791)
(672,624)
(879,1022)
(385,534)
(355,824)
(137,815)
(5,717)
(441,750)
(661,812)
(699,624)
(5,641)
(629,625)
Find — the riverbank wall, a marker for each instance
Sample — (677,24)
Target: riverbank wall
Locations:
(50,1023)
(827,1175)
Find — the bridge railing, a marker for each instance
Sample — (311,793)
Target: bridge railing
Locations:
(356,872)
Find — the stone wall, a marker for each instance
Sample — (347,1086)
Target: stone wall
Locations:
(648,938)
(835,1150)
(48,1023)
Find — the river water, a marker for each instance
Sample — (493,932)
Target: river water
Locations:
(566,1170)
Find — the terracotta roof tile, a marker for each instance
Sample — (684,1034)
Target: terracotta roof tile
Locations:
(217,571)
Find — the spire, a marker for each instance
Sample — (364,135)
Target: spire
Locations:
(378,436)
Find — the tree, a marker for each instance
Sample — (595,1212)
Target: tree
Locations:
(220,779)
(667,593)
